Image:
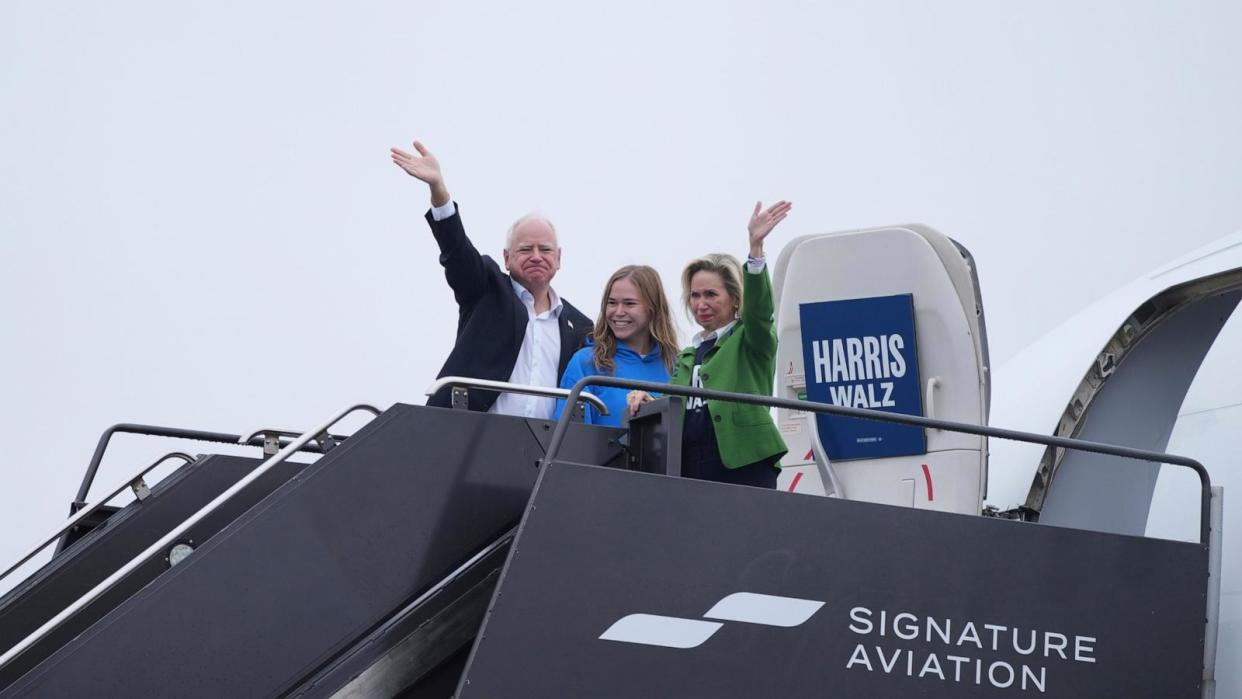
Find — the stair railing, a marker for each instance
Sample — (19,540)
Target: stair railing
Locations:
(256,438)
(135,483)
(177,532)
(1205,481)
(460,383)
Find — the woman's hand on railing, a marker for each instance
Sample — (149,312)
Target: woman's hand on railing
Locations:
(634,399)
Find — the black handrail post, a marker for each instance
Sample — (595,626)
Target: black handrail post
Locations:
(654,436)
(79,500)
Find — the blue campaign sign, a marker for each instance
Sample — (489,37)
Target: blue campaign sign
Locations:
(862,353)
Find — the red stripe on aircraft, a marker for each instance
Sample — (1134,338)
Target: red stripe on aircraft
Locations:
(797,477)
(927,475)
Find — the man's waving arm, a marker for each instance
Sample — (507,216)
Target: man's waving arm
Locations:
(463,266)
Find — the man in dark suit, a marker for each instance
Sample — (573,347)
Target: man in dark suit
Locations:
(510,327)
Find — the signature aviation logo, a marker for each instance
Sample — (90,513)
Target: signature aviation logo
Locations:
(945,648)
(746,607)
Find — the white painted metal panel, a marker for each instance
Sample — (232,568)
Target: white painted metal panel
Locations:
(886,261)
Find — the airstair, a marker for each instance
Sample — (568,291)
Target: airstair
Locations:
(437,551)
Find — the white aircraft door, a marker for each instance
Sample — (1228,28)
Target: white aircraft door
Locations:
(891,319)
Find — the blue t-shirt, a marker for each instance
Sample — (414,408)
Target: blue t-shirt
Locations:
(630,365)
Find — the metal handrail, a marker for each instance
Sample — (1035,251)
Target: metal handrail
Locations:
(83,514)
(255,438)
(562,426)
(506,387)
(176,533)
(260,435)
(1211,636)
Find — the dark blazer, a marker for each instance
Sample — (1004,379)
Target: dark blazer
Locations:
(491,319)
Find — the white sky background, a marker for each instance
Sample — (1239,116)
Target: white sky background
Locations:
(200,226)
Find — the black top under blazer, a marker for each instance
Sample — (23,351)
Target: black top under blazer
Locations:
(491,318)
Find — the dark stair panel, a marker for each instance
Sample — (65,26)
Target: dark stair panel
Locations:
(414,651)
(114,542)
(302,577)
(624,584)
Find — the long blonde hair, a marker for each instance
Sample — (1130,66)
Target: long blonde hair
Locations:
(727,266)
(651,288)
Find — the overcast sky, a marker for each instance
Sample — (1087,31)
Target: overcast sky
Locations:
(200,226)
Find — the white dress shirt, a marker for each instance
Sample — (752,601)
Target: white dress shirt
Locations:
(537,360)
(440,213)
(704,335)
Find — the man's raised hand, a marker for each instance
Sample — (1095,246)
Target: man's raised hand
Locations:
(425,167)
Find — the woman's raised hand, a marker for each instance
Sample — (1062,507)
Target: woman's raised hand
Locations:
(763,221)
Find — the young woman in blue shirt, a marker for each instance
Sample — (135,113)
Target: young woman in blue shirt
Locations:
(634,338)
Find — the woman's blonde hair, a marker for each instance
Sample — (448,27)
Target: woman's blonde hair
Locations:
(651,289)
(727,266)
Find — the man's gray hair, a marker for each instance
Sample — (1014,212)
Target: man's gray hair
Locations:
(532,216)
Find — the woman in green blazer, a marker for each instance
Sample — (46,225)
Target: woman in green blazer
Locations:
(735,351)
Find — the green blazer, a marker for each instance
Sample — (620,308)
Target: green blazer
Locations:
(742,361)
